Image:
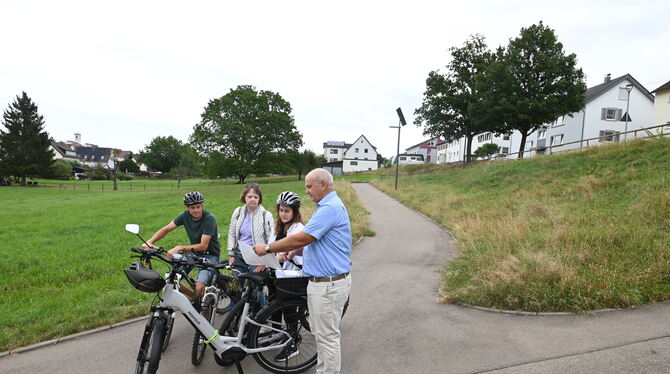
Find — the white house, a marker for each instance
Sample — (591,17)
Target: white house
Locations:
(408,159)
(602,116)
(360,155)
(427,148)
(333,151)
(662,104)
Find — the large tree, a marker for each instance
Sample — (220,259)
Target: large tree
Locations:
(240,128)
(448,99)
(162,154)
(25,147)
(530,83)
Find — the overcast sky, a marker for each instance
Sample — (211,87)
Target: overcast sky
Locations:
(124,72)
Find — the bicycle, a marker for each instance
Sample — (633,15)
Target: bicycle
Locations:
(228,350)
(216,300)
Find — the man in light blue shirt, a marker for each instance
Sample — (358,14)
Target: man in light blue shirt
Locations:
(327,242)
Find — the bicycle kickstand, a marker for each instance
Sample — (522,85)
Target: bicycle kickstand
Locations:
(239,367)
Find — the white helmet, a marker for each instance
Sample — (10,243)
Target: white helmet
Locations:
(288,198)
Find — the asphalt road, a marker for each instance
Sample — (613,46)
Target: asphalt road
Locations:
(395,325)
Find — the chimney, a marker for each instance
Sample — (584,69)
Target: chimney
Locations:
(77,137)
(608,77)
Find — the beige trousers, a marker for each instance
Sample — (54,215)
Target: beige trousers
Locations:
(326,301)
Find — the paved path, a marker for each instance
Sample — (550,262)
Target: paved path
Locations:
(394,324)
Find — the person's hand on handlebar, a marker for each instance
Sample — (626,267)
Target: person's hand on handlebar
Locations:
(174,250)
(145,246)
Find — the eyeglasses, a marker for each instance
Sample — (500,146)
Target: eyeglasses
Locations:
(251,185)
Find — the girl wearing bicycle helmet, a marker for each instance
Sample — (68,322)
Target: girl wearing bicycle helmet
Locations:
(289,221)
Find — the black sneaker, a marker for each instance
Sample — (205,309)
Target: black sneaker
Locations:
(288,352)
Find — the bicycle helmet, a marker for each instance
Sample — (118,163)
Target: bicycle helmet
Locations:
(288,198)
(145,280)
(193,198)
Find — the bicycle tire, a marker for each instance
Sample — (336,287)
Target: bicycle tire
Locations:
(168,331)
(223,306)
(150,353)
(199,347)
(143,353)
(299,331)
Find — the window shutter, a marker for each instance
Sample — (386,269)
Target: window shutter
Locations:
(618,114)
(602,133)
(603,113)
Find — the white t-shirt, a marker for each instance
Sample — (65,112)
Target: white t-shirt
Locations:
(288,265)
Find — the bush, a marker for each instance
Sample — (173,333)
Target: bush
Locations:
(123,177)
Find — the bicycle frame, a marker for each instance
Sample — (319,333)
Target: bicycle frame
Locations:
(174,299)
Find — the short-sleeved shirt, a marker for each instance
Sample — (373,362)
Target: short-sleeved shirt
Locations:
(329,254)
(196,229)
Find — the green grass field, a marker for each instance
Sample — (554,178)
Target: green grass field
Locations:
(569,232)
(63,251)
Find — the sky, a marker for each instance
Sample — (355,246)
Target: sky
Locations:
(121,73)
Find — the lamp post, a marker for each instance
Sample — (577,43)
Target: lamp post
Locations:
(629,87)
(401,122)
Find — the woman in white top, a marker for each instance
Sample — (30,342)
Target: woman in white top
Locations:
(289,222)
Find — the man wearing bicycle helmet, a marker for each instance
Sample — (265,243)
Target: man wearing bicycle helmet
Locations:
(201,228)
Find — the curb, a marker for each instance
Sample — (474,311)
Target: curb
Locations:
(70,337)
(541,314)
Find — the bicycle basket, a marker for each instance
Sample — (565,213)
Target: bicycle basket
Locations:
(145,280)
(291,288)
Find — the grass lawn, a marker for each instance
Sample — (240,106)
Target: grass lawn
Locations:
(569,232)
(64,251)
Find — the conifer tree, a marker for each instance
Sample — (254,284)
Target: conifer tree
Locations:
(24,144)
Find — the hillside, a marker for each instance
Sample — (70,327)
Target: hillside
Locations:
(568,232)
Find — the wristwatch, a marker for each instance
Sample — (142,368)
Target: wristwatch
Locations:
(267,249)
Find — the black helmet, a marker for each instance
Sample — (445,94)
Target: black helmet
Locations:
(193,198)
(289,198)
(145,280)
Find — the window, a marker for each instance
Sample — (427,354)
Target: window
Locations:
(365,150)
(356,150)
(506,137)
(541,134)
(610,114)
(333,159)
(623,93)
(529,144)
(609,136)
(333,151)
(403,158)
(557,139)
(505,150)
(484,137)
(353,163)
(560,121)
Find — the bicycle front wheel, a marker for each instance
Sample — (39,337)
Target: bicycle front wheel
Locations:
(150,351)
(293,318)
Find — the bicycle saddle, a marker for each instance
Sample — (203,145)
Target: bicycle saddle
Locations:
(257,278)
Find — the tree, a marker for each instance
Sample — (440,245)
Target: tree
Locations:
(448,99)
(243,126)
(530,83)
(487,150)
(128,166)
(304,161)
(25,145)
(162,154)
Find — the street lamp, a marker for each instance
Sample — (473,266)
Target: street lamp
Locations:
(401,122)
(629,87)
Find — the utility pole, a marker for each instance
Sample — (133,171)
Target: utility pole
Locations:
(401,122)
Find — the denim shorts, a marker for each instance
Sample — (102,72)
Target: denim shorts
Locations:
(204,276)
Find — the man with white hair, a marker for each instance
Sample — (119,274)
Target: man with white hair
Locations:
(327,242)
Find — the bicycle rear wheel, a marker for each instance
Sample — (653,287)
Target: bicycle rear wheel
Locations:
(168,331)
(295,321)
(199,347)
